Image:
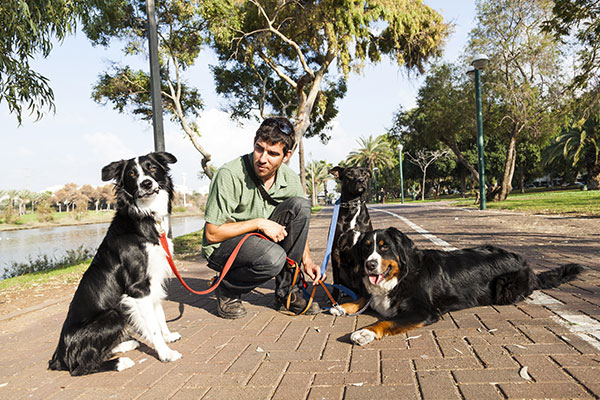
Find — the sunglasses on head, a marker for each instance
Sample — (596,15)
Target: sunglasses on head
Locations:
(284,128)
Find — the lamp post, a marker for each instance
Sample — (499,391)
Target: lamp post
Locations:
(400,147)
(480,61)
(375,169)
(157,117)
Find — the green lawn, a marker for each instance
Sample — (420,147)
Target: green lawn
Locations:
(571,202)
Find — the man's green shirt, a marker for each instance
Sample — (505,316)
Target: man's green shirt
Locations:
(234,197)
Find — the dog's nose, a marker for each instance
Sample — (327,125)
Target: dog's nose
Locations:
(146,184)
(371,265)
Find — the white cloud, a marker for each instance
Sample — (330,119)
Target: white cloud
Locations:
(107,147)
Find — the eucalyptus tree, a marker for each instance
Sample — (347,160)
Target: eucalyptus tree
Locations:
(27,30)
(279,56)
(523,75)
(180,30)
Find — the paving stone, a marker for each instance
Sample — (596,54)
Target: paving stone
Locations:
(437,385)
(544,391)
(480,391)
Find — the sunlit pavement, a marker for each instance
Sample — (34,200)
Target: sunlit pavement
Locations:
(545,347)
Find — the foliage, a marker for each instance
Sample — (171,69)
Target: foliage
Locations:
(523,76)
(180,30)
(27,29)
(46,263)
(580,146)
(579,22)
(275,56)
(372,153)
(188,244)
(317,175)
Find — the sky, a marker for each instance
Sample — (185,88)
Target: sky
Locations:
(82,136)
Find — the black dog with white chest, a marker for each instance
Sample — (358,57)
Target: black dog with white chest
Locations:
(412,288)
(353,220)
(124,284)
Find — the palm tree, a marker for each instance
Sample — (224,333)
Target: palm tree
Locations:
(317,174)
(373,152)
(581,147)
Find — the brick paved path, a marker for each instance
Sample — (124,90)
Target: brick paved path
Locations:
(478,353)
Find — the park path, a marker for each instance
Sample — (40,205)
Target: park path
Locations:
(480,353)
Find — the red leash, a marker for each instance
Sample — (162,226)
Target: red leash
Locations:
(165,245)
(230,260)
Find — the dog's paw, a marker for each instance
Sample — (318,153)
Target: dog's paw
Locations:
(362,337)
(172,337)
(337,310)
(124,363)
(126,346)
(170,355)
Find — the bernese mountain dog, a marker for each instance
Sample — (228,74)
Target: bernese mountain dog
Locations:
(124,284)
(411,288)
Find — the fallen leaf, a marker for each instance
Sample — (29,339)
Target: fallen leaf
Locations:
(259,349)
(413,337)
(524,374)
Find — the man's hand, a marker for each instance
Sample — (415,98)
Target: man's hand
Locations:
(310,268)
(272,230)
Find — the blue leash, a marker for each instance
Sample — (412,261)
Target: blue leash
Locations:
(331,236)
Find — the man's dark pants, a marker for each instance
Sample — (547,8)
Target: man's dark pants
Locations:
(259,260)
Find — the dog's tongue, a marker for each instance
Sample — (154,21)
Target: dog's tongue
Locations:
(375,279)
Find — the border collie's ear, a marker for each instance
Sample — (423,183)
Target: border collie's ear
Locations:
(336,172)
(114,170)
(163,157)
(400,238)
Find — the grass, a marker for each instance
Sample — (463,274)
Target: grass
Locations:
(569,202)
(188,244)
(67,274)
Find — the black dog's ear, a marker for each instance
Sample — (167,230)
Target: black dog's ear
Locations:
(356,250)
(163,158)
(114,170)
(400,238)
(336,172)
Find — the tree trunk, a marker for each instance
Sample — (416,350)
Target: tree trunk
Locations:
(461,159)
(423,187)
(509,170)
(593,181)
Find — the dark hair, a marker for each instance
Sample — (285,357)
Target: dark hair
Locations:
(277,130)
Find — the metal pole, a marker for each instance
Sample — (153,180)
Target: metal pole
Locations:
(480,140)
(159,137)
(401,177)
(375,175)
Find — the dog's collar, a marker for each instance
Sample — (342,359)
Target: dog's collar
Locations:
(354,203)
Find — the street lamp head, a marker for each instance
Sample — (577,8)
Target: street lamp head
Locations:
(400,147)
(480,61)
(471,72)
(375,169)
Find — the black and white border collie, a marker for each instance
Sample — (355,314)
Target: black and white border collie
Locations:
(412,288)
(124,285)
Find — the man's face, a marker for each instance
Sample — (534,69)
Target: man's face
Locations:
(268,158)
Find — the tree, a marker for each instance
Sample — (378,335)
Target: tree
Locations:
(276,56)
(180,28)
(442,103)
(27,29)
(579,22)
(523,74)
(580,146)
(423,159)
(317,175)
(373,152)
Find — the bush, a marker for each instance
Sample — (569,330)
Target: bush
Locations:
(44,212)
(46,263)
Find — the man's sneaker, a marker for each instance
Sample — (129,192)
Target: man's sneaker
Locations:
(297,304)
(229,305)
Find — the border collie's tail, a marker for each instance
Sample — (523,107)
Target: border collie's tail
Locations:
(555,277)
